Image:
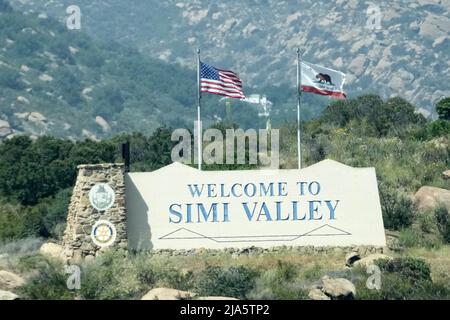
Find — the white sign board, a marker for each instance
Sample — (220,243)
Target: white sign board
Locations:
(326,204)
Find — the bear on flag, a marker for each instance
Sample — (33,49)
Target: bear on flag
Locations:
(321,80)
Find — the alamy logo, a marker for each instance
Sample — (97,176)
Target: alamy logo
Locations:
(234,146)
(74,279)
(73,21)
(374,281)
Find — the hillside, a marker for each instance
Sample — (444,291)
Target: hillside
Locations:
(63,83)
(408,152)
(406,57)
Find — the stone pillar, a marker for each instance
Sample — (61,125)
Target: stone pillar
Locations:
(82,216)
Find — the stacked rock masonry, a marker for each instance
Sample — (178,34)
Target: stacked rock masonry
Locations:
(82,216)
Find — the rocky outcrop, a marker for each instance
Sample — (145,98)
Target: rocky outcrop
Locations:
(10,281)
(446,174)
(333,289)
(317,294)
(370,260)
(372,57)
(431,198)
(168,294)
(338,288)
(103,124)
(52,250)
(5,129)
(36,117)
(6,295)
(215,298)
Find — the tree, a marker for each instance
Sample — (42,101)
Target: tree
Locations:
(5,7)
(443,109)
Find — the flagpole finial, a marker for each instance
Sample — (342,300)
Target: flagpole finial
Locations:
(298,50)
(198,50)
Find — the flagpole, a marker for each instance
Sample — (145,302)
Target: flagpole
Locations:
(299,95)
(199,124)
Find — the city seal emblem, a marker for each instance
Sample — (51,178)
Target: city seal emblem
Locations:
(101,196)
(103,233)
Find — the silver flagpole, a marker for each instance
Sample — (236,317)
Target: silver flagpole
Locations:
(199,124)
(299,95)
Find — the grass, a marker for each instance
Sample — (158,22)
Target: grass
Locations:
(281,274)
(438,259)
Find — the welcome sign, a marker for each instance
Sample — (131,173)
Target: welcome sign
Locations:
(327,204)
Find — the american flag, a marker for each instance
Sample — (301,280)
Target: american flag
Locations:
(222,82)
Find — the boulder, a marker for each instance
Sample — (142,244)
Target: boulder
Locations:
(167,294)
(317,294)
(36,117)
(351,258)
(51,249)
(10,281)
(431,198)
(6,295)
(446,174)
(338,288)
(103,124)
(24,68)
(370,259)
(22,99)
(216,298)
(5,129)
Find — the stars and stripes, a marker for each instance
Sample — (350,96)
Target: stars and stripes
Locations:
(222,82)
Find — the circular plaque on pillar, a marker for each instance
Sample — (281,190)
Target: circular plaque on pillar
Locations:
(103,233)
(102,196)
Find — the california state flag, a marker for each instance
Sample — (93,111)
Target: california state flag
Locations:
(323,81)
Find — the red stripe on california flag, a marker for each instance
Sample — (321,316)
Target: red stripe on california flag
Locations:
(334,94)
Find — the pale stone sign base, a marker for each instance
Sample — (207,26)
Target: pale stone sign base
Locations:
(326,204)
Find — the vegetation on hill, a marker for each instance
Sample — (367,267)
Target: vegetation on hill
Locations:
(258,38)
(70,80)
(408,152)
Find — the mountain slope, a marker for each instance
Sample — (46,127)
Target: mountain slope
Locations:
(61,82)
(406,57)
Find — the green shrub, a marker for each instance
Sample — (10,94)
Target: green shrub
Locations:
(409,268)
(443,222)
(110,277)
(12,223)
(21,246)
(232,282)
(398,209)
(443,108)
(145,272)
(410,238)
(50,283)
(394,287)
(401,279)
(174,278)
(280,283)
